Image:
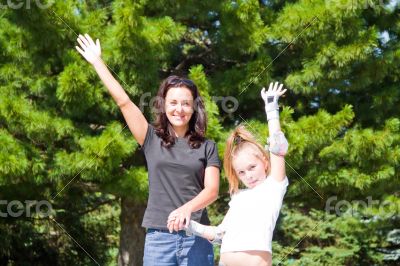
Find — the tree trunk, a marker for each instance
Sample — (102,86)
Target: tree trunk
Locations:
(132,235)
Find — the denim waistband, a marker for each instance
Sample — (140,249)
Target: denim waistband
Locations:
(150,230)
(157,230)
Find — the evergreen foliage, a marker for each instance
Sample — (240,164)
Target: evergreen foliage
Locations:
(64,140)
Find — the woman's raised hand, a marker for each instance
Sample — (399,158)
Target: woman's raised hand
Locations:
(90,50)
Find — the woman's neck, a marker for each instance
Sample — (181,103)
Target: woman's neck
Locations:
(180,132)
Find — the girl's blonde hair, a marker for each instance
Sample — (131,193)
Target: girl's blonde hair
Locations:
(239,139)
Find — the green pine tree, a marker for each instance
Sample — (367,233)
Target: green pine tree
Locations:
(63,139)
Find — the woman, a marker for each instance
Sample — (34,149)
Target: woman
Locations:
(183,167)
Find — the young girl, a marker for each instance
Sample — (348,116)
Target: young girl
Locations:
(183,166)
(246,231)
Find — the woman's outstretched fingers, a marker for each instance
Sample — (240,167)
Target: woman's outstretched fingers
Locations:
(98,43)
(79,50)
(81,43)
(88,49)
(90,40)
(84,40)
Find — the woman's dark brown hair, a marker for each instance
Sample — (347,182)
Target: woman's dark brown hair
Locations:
(198,121)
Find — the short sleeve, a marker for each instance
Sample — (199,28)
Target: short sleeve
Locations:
(279,185)
(276,189)
(276,192)
(212,155)
(149,137)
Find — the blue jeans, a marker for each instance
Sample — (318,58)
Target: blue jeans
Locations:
(171,249)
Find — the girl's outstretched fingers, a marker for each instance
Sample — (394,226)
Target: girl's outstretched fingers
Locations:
(270,97)
(275,88)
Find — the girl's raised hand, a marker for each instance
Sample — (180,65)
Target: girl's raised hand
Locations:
(271,97)
(88,49)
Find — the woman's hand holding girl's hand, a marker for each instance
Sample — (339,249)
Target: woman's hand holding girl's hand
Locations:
(179,218)
(88,49)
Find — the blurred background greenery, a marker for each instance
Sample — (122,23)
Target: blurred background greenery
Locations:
(63,139)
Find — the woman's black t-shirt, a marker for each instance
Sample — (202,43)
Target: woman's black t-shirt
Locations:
(176,175)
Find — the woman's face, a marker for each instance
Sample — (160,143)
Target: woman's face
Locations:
(179,106)
(250,169)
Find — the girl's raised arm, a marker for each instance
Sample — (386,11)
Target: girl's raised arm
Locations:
(277,141)
(135,119)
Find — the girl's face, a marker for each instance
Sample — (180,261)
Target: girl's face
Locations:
(250,169)
(179,106)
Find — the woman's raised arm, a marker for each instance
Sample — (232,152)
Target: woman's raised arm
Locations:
(134,117)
